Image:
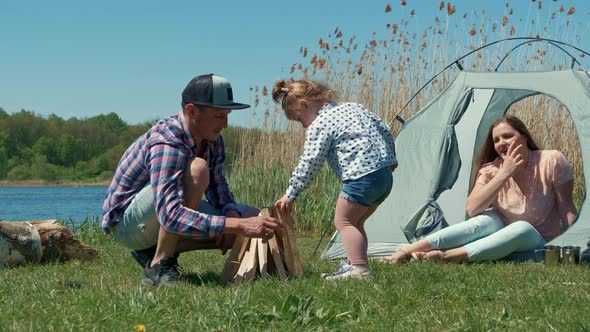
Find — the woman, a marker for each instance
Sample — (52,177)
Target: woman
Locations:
(522,198)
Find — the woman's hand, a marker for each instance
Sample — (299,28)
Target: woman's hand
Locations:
(482,195)
(285,204)
(513,160)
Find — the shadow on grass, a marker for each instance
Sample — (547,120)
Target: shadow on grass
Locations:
(203,279)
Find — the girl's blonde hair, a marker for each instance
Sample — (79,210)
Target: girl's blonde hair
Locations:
(287,92)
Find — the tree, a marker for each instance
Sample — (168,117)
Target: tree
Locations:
(42,170)
(111,121)
(53,149)
(19,173)
(47,148)
(3,163)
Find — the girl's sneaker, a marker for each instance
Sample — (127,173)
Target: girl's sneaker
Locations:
(349,271)
(342,264)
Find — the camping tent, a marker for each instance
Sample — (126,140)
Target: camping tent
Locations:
(436,148)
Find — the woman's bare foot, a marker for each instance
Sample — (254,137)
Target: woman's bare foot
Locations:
(434,255)
(418,256)
(400,256)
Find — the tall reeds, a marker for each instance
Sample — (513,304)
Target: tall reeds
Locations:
(383,71)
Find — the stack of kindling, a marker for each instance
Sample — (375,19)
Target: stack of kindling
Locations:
(252,257)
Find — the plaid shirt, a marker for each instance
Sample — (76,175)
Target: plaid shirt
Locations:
(160,158)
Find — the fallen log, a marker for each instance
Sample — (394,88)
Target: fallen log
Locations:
(38,241)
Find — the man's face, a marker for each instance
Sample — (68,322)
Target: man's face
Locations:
(208,122)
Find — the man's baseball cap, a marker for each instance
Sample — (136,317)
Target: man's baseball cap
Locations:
(211,90)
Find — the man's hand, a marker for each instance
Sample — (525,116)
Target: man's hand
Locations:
(285,205)
(259,227)
(225,242)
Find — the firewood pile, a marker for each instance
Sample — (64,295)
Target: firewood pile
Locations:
(254,257)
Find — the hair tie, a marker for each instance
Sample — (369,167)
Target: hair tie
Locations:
(284,99)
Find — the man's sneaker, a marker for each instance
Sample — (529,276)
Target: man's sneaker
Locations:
(143,257)
(164,273)
(349,271)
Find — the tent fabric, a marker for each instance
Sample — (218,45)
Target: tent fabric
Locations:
(436,148)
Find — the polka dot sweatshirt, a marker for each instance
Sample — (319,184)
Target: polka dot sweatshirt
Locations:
(354,141)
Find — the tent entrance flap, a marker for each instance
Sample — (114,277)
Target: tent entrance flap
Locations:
(449,200)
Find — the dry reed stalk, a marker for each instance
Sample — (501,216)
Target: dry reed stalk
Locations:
(385,72)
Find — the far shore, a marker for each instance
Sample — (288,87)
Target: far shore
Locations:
(40,183)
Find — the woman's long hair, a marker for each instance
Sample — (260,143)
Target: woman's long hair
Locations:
(488,153)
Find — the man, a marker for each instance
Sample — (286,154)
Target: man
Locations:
(153,205)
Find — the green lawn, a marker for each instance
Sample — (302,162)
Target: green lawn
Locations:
(106,295)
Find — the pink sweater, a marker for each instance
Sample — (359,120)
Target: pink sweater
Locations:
(536,201)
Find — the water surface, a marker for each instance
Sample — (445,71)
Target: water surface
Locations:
(71,204)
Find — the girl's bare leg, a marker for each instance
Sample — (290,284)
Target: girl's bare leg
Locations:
(349,219)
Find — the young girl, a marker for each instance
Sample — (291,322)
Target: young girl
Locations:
(360,150)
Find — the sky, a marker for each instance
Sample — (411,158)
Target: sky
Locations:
(80,58)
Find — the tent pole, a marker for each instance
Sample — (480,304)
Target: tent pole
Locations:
(527,40)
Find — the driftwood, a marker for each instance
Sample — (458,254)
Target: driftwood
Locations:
(39,241)
(252,257)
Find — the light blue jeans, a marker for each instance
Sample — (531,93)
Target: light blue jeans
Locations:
(486,237)
(139,226)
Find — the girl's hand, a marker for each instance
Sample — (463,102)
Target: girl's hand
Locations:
(513,160)
(285,204)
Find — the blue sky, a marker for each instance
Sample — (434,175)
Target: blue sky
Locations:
(80,58)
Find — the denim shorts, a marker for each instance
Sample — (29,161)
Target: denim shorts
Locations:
(370,189)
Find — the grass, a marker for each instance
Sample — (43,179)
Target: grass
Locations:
(314,209)
(106,295)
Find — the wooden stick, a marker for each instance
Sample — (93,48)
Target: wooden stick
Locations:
(276,257)
(274,250)
(263,258)
(233,261)
(252,261)
(243,268)
(291,254)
